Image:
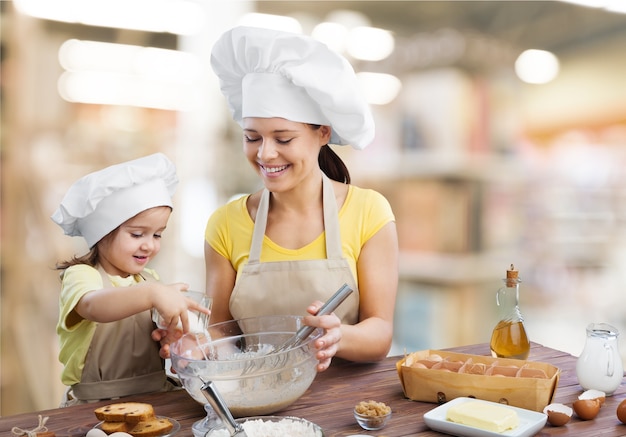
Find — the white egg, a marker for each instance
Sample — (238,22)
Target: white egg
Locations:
(95,432)
(120,434)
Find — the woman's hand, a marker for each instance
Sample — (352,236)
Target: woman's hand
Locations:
(328,344)
(165,337)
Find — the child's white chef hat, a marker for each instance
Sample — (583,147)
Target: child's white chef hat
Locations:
(99,202)
(268,73)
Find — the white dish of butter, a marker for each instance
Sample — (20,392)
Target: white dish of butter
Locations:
(484,419)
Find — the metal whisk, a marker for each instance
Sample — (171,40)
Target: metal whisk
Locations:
(276,358)
(328,307)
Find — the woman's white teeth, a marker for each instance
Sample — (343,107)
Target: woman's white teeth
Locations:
(275,169)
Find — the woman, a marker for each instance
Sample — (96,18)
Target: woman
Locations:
(290,246)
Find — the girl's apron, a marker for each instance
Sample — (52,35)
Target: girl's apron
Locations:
(122,360)
(289,287)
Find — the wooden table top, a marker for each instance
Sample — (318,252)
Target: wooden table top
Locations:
(331,398)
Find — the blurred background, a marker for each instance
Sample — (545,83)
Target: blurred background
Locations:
(501,138)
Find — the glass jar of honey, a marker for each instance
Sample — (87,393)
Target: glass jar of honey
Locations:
(509,339)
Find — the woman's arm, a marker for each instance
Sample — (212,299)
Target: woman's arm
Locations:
(370,339)
(220,281)
(377,270)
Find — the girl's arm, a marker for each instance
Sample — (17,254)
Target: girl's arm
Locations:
(117,303)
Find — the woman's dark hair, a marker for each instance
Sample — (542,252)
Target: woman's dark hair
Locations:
(90,258)
(331,164)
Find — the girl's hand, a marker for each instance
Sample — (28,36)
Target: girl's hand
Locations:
(328,344)
(171,305)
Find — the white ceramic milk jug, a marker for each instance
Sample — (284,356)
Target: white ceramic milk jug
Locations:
(600,365)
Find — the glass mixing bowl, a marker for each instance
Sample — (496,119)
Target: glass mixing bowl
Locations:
(238,357)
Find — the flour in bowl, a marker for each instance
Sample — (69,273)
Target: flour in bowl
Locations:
(282,428)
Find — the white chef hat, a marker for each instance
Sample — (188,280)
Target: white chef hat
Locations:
(99,202)
(268,73)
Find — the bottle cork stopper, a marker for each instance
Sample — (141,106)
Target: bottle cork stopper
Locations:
(512,275)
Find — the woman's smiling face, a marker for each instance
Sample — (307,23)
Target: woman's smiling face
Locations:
(282,152)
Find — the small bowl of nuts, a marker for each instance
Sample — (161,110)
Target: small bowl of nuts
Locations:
(372,415)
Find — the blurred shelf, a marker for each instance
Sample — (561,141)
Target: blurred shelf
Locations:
(455,165)
(456,269)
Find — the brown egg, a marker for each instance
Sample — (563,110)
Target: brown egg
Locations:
(586,409)
(621,411)
(558,414)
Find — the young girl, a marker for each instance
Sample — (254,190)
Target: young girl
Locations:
(105,322)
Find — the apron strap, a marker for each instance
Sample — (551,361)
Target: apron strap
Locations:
(331,220)
(260,223)
(331,223)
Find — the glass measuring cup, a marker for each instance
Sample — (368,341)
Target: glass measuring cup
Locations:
(198,321)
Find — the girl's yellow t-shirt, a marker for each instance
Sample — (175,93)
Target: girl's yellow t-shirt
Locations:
(364,212)
(74,341)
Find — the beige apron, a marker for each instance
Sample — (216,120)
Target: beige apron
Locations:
(122,360)
(288,287)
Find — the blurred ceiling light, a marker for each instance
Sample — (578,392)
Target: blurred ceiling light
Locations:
(618,6)
(181,17)
(76,55)
(269,21)
(107,88)
(588,3)
(334,35)
(379,88)
(118,74)
(536,66)
(370,43)
(348,18)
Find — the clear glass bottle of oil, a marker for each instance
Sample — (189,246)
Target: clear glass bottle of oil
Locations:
(509,339)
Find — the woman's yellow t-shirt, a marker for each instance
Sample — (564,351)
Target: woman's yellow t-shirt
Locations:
(364,212)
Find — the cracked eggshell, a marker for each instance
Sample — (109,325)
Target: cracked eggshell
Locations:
(593,394)
(558,414)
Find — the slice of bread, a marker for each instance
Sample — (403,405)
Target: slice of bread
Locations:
(129,412)
(153,427)
(111,427)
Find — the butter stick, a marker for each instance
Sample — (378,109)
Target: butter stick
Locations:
(484,416)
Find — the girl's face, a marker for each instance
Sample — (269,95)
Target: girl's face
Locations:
(283,152)
(128,249)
